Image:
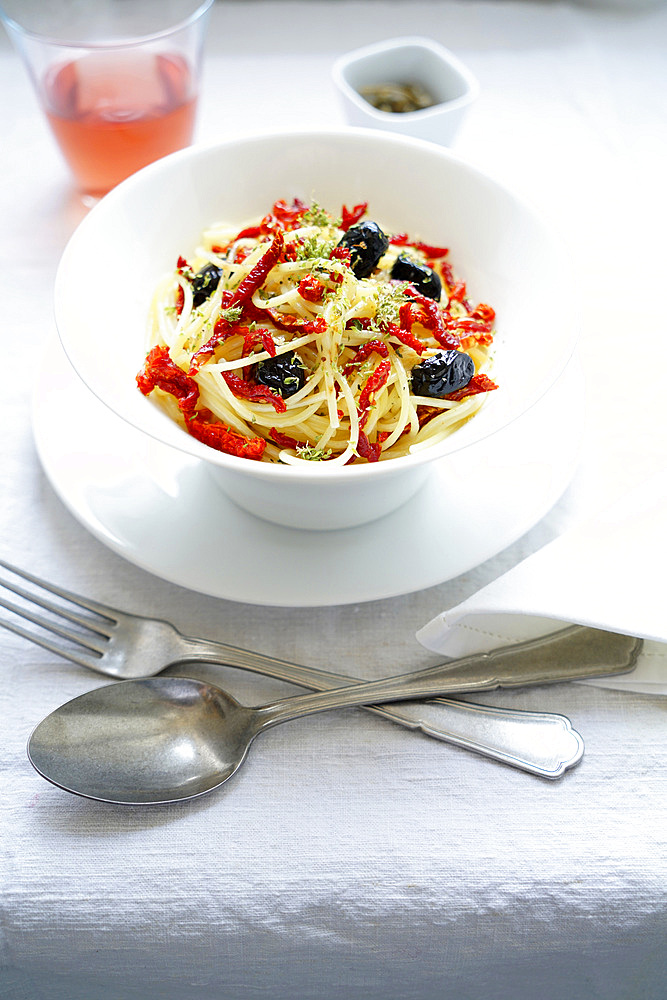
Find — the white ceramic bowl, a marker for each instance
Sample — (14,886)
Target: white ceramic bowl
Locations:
(113,261)
(407,60)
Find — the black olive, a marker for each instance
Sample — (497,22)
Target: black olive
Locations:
(442,373)
(421,276)
(366,243)
(205,283)
(284,374)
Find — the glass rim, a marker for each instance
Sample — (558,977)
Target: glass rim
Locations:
(115,43)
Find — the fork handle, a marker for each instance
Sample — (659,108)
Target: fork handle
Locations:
(538,742)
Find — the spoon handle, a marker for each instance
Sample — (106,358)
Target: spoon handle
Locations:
(537,742)
(574,652)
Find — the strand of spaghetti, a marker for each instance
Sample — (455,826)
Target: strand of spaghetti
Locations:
(349,451)
(218,397)
(404,416)
(441,427)
(308,396)
(164,328)
(162,318)
(353,435)
(228,412)
(291,298)
(328,345)
(433,401)
(186,307)
(299,419)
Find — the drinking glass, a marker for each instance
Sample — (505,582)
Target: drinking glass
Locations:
(118,80)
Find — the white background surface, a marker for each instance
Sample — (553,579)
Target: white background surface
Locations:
(348,858)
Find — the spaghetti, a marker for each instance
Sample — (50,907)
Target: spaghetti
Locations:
(304,337)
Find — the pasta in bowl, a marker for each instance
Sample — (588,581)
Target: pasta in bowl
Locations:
(309,337)
(341,387)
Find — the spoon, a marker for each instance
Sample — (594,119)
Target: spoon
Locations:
(165,739)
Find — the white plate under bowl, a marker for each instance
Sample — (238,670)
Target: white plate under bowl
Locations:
(162,510)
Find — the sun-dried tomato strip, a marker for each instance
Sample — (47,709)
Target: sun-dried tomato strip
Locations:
(352,215)
(217,435)
(184,268)
(257,276)
(364,352)
(467,324)
(281,321)
(255,393)
(401,333)
(289,216)
(375,381)
(371,452)
(282,217)
(478,383)
(426,413)
(484,312)
(476,340)
(473,329)
(341,253)
(404,330)
(283,440)
(407,338)
(162,373)
(433,319)
(222,331)
(311,289)
(253,338)
(240,297)
(252,232)
(456,290)
(430,251)
(370,347)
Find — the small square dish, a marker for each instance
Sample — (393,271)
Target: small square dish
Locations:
(410,85)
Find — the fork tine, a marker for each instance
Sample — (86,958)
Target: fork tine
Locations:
(87,641)
(53,647)
(102,610)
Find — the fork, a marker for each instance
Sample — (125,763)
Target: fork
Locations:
(123,645)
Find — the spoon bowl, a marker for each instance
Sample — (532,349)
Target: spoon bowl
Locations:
(148,741)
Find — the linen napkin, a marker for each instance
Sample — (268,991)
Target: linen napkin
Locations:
(607,572)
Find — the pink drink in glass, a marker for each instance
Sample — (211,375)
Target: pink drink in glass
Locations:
(114,113)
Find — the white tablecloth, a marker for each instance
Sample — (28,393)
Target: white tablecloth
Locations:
(350,858)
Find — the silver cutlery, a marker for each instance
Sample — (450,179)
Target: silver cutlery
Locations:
(122,645)
(166,739)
